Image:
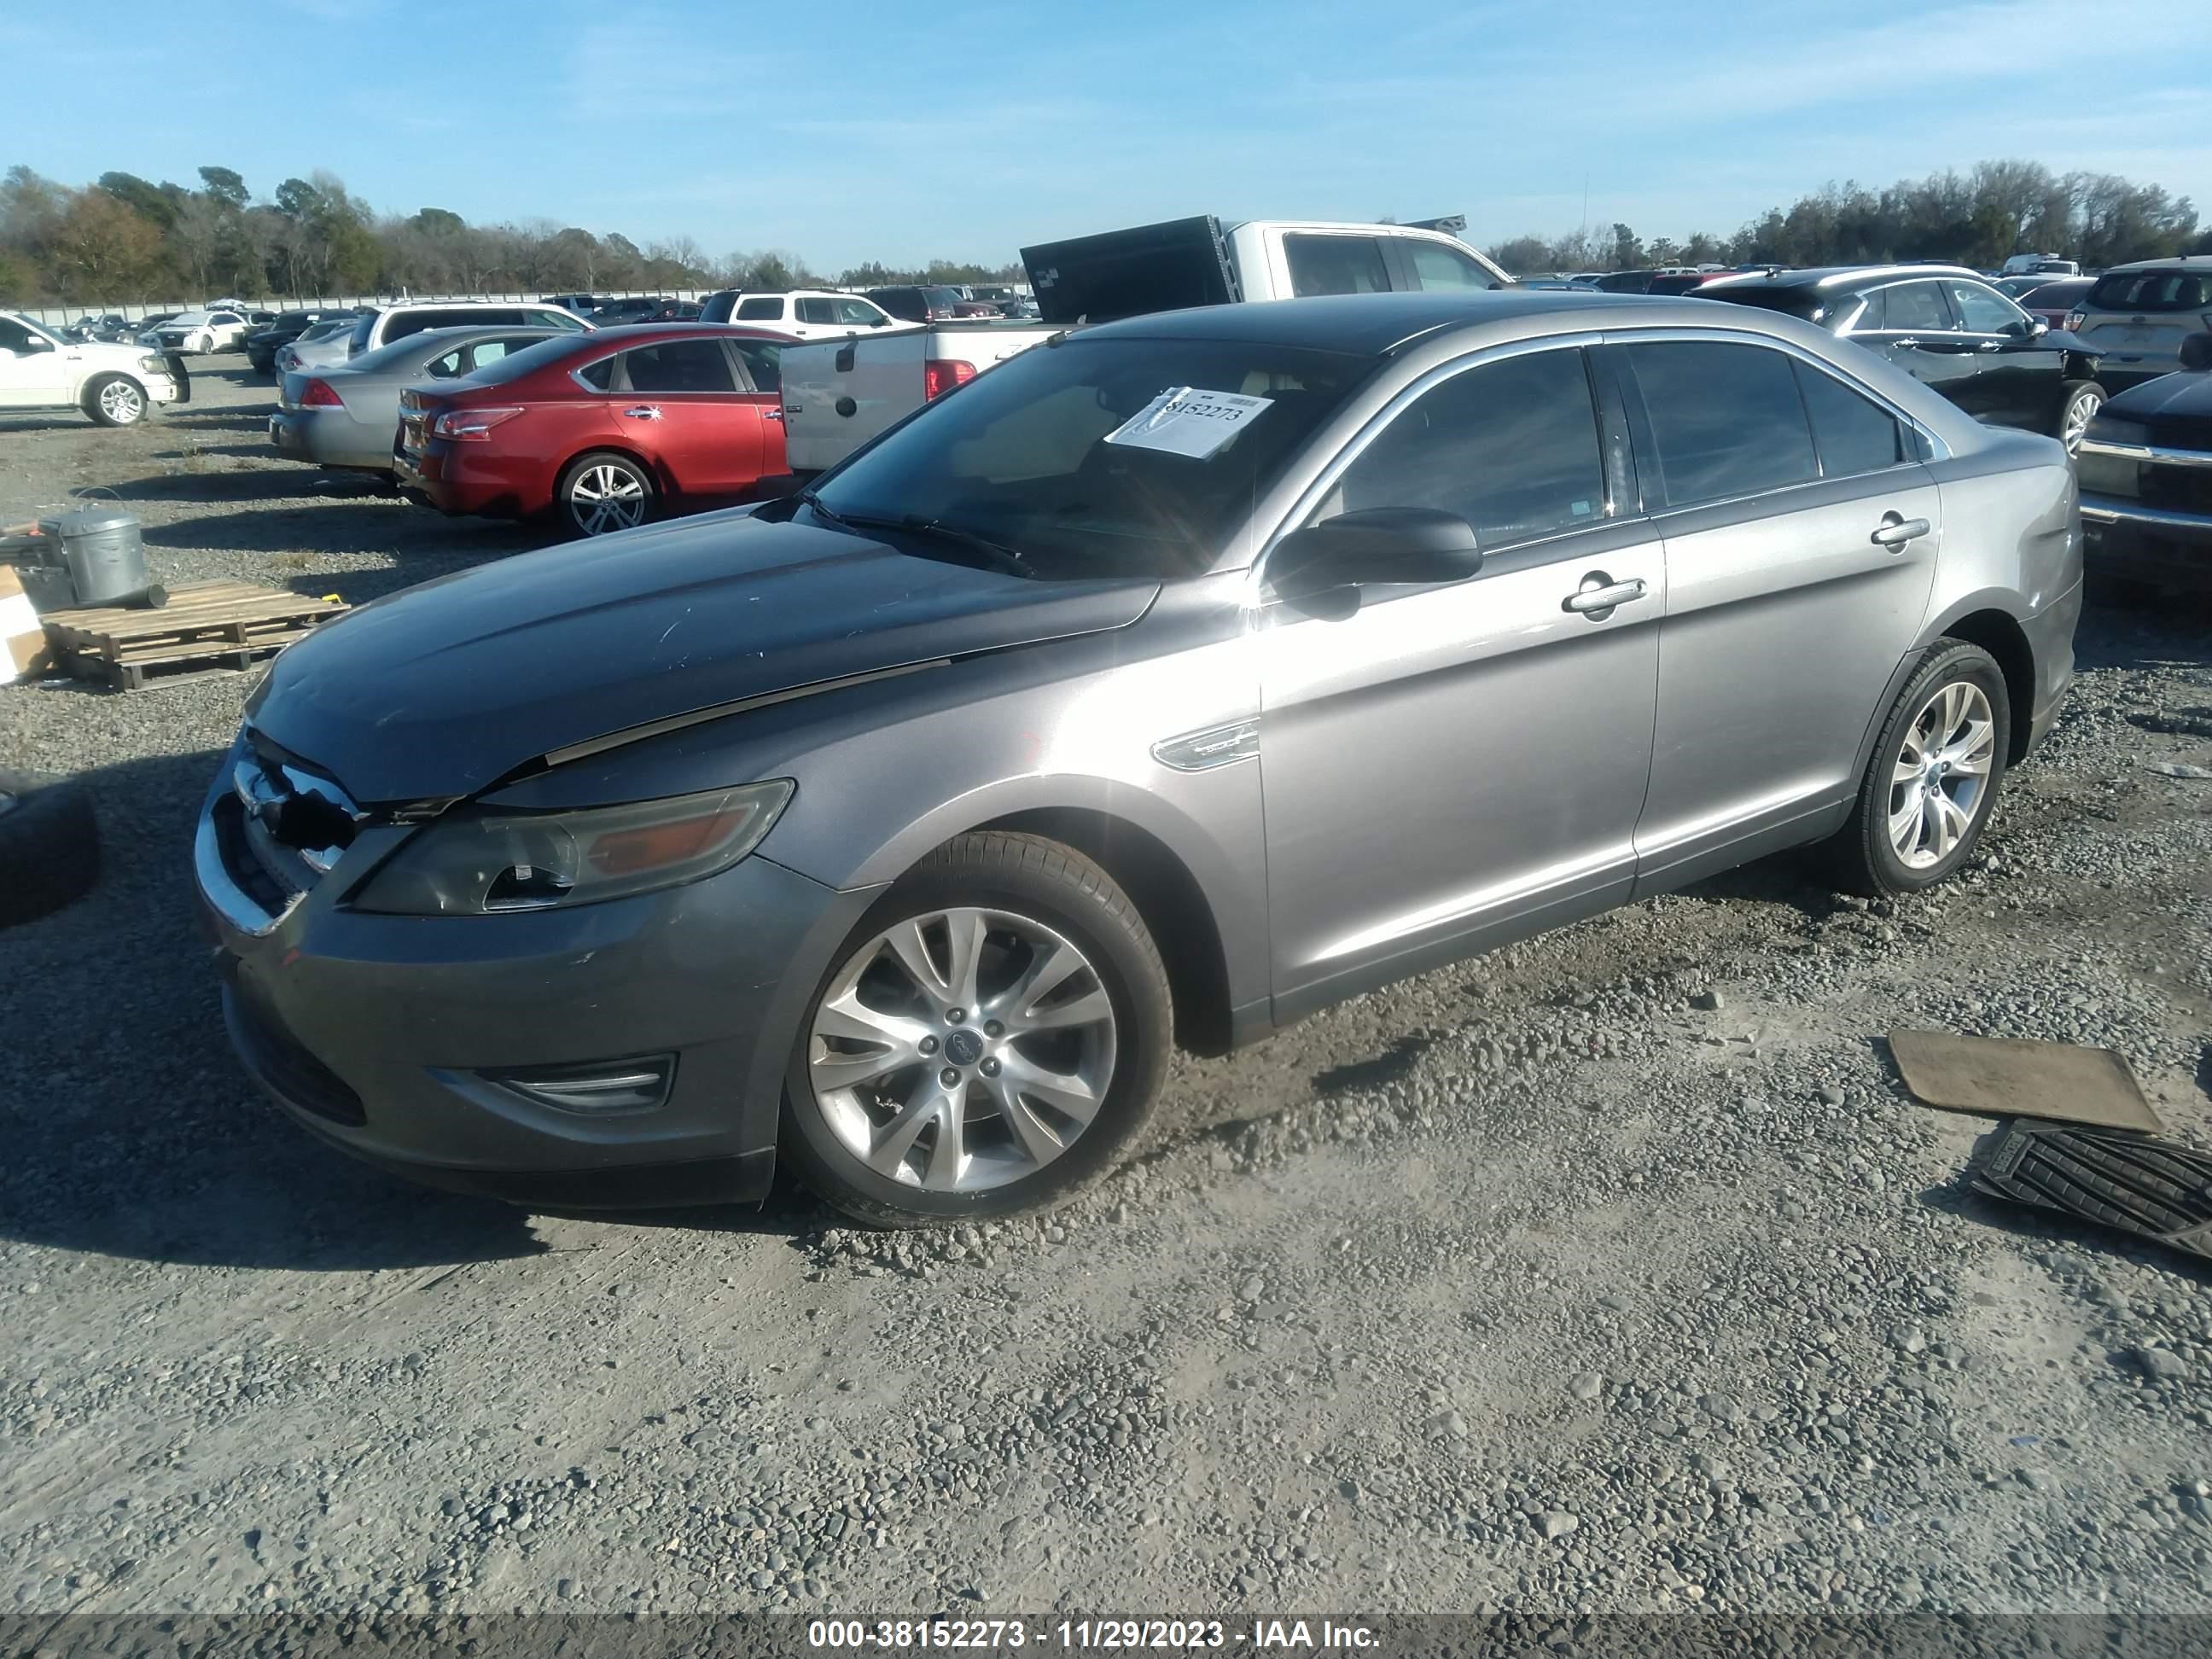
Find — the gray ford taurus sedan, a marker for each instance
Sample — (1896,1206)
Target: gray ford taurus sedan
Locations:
(345,415)
(1173,678)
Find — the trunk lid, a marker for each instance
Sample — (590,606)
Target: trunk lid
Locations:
(438,691)
(1169,266)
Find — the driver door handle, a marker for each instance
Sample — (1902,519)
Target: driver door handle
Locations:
(643,411)
(1894,531)
(1604,597)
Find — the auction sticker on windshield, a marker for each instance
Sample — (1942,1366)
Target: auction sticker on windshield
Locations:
(1188,421)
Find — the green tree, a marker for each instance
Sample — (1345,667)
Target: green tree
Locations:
(142,196)
(223,185)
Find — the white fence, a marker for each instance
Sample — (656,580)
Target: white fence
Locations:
(62,316)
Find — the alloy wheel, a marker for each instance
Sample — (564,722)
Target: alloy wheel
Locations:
(2079,413)
(962,1049)
(604,497)
(121,402)
(1940,779)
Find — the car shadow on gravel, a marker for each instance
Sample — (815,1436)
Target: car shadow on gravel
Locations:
(357,521)
(130,1130)
(223,486)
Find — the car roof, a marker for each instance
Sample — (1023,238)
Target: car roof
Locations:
(2175,262)
(683,331)
(1838,275)
(1374,324)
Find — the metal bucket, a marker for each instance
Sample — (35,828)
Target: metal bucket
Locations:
(101,549)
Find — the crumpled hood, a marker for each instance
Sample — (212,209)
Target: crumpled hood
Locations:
(2182,395)
(441,689)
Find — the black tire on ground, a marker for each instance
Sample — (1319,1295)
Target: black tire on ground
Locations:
(127,410)
(49,845)
(1862,858)
(597,470)
(1049,883)
(2078,403)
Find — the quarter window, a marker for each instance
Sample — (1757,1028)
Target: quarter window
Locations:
(679,366)
(598,376)
(1726,420)
(816,311)
(1335,264)
(1510,446)
(1853,434)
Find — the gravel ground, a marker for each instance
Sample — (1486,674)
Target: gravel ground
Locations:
(1614,1271)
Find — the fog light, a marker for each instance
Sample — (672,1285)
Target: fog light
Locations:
(595,1088)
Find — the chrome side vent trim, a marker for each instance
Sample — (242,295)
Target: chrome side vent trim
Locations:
(1217,745)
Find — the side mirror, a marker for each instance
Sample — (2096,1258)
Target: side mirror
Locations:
(2037,328)
(1377,544)
(2196,352)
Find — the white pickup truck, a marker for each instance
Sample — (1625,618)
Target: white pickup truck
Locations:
(838,394)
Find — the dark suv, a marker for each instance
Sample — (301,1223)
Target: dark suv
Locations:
(1947,326)
(913,304)
(262,344)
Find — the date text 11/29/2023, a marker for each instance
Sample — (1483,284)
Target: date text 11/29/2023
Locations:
(1084,1635)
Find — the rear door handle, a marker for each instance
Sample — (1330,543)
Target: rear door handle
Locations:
(771,414)
(643,413)
(1905,344)
(1599,593)
(1895,532)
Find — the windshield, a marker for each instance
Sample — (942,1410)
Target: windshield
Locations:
(941,299)
(1021,456)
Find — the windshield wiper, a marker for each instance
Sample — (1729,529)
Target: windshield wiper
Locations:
(1001,556)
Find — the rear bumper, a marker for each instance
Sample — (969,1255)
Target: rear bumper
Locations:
(327,438)
(449,477)
(2051,646)
(2157,544)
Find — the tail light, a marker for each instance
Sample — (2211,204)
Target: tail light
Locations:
(940,374)
(317,394)
(469,425)
(2072,321)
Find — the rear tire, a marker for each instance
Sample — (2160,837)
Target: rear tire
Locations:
(49,844)
(1932,782)
(2077,407)
(1068,989)
(602,492)
(115,400)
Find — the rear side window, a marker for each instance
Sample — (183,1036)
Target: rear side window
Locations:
(679,366)
(1335,264)
(769,310)
(1915,305)
(2152,291)
(1725,419)
(1510,446)
(764,362)
(1437,266)
(1852,433)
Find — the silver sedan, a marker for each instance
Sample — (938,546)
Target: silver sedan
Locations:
(344,415)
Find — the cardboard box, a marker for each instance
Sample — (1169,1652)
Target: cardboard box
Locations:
(24,654)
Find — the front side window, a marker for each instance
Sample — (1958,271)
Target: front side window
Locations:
(1852,433)
(679,366)
(761,309)
(1983,312)
(1335,264)
(18,336)
(1510,446)
(857,313)
(1437,267)
(1916,307)
(1020,456)
(1726,420)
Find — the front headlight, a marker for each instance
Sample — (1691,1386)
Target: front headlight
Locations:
(2105,428)
(152,365)
(477,863)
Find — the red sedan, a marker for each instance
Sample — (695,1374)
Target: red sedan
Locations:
(604,430)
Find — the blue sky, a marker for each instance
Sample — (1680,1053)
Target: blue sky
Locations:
(844,130)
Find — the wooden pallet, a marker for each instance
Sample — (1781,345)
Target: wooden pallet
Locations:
(218,625)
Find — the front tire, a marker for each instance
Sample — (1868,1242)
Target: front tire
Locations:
(1933,779)
(602,492)
(115,400)
(992,1037)
(2076,409)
